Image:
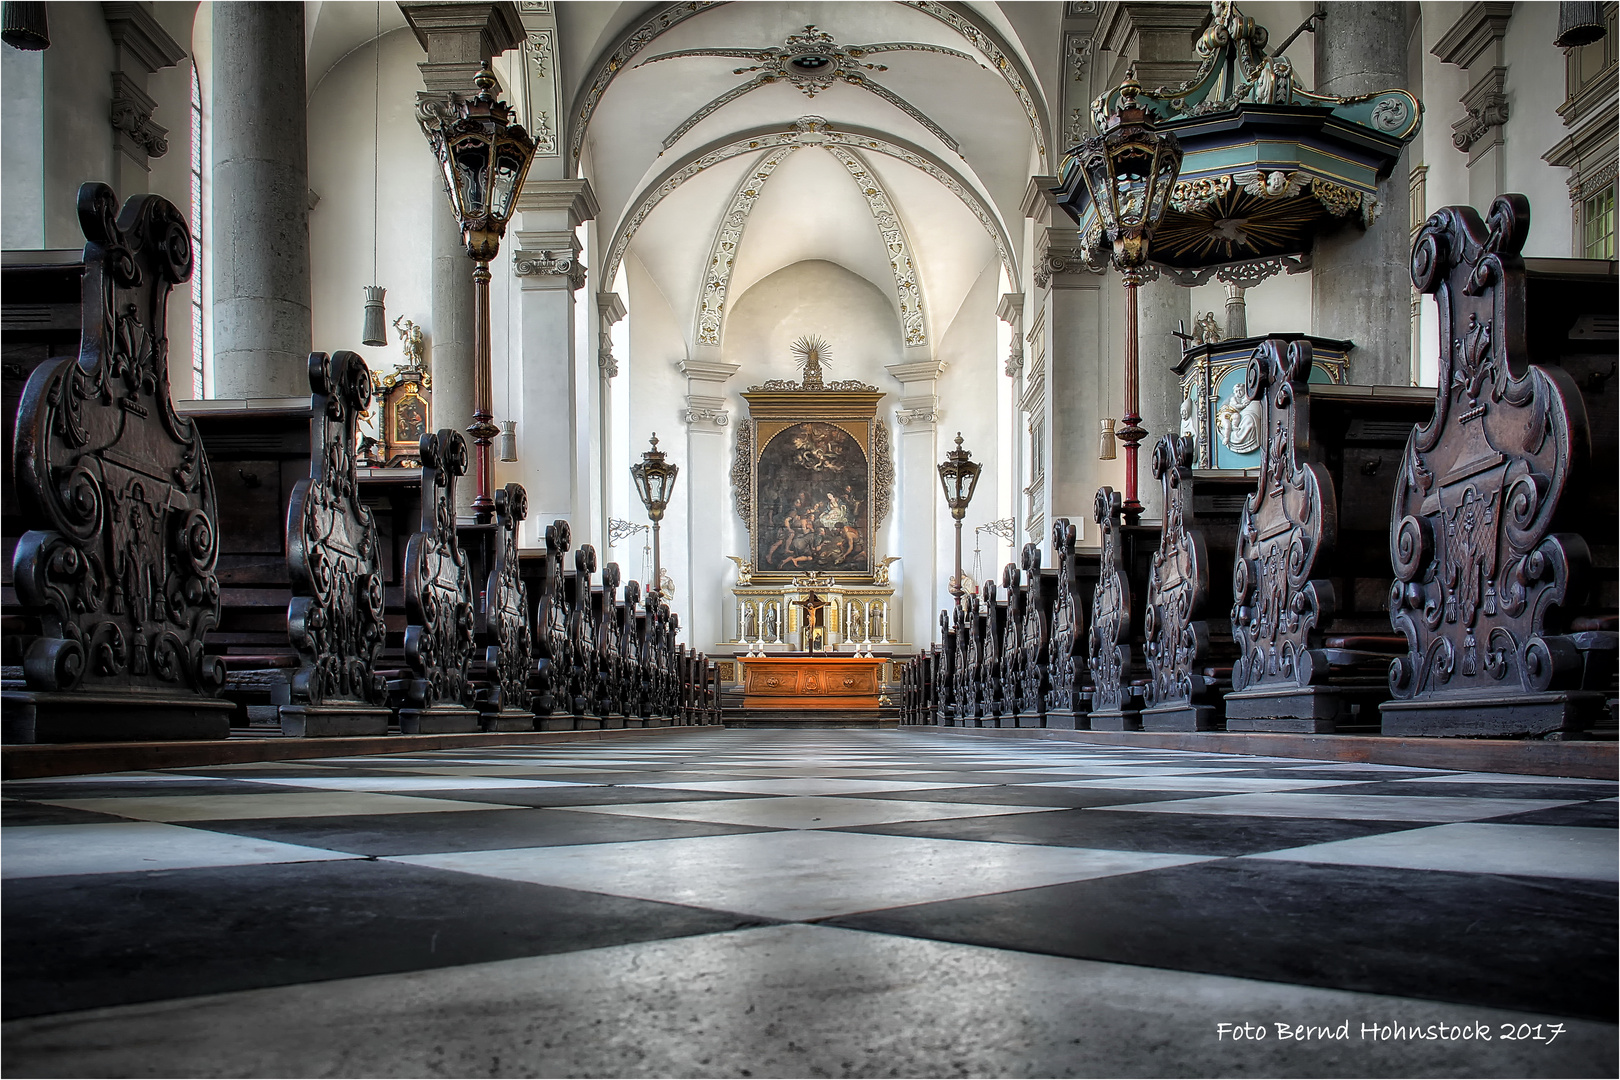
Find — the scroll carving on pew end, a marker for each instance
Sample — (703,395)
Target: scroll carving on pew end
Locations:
(945,673)
(439,694)
(605,686)
(553,648)
(992,613)
(1180,697)
(502,626)
(1289,521)
(1115,702)
(1012,645)
(335,619)
(581,639)
(1484,584)
(1035,637)
(967,661)
(1066,698)
(116,573)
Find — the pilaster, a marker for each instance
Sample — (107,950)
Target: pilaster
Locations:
(1475,44)
(141,47)
(710,534)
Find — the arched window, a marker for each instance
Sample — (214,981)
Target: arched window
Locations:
(196,236)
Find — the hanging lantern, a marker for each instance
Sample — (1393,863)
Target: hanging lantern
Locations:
(374,328)
(1105,440)
(509,440)
(22,26)
(1129,171)
(1579,23)
(654,475)
(483,157)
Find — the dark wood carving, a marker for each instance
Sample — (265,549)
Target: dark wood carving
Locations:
(992,614)
(1065,703)
(966,621)
(605,619)
(1012,645)
(503,626)
(438,600)
(1040,598)
(1177,638)
(1114,705)
(1279,605)
(553,659)
(945,672)
(335,618)
(118,561)
(581,638)
(1482,580)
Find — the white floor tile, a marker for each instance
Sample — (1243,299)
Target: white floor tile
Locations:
(1196,782)
(449,782)
(807,811)
(279,805)
(1476,848)
(799,875)
(1345,807)
(122,847)
(1501,778)
(806,785)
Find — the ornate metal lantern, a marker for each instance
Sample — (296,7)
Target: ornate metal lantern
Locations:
(1129,171)
(959,474)
(483,157)
(655,476)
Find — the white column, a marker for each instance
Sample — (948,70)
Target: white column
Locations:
(706,515)
(561,395)
(925,527)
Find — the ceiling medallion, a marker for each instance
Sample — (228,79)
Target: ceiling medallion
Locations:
(811,61)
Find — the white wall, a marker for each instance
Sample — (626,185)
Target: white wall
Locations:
(340,231)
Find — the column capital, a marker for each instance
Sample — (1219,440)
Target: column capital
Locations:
(917,371)
(573,197)
(459,37)
(549,269)
(1481,27)
(136,33)
(1063,255)
(610,307)
(1039,201)
(705,411)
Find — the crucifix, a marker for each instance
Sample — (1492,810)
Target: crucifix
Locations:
(814,620)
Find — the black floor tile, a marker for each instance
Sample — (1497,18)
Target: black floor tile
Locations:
(1418,789)
(87,941)
(581,796)
(155,789)
(1598,815)
(465,830)
(1120,830)
(27,813)
(1503,942)
(1016,795)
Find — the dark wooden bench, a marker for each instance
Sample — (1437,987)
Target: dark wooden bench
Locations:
(1496,495)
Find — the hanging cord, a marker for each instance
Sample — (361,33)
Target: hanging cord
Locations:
(376,133)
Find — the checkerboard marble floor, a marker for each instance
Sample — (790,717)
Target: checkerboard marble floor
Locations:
(809,903)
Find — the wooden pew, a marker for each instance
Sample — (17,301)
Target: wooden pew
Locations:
(993,633)
(439,696)
(1115,634)
(605,645)
(114,571)
(1188,648)
(1067,704)
(1011,651)
(1040,591)
(1491,562)
(334,617)
(504,626)
(945,700)
(1310,579)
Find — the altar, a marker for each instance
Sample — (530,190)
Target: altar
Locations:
(811,682)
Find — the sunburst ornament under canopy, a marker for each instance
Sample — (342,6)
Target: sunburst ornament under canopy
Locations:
(809,352)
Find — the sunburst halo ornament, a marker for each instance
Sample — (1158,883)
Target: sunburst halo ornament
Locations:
(809,352)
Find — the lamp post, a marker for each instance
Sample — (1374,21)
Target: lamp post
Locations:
(959,474)
(1129,170)
(655,475)
(483,157)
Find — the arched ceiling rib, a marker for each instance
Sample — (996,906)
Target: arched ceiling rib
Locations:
(805,131)
(966,24)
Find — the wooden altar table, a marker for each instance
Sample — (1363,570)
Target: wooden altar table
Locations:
(811,682)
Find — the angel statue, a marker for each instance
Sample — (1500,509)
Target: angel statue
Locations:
(745,570)
(410,338)
(880,569)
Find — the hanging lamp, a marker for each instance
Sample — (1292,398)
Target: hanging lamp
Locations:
(374,326)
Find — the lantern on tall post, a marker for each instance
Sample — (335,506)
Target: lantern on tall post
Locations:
(483,158)
(1129,170)
(655,475)
(959,475)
